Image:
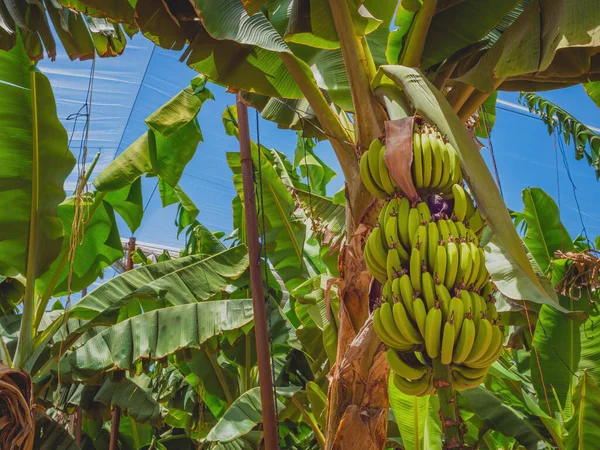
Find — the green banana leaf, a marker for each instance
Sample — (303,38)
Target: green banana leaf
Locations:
(128,202)
(545,232)
(593,90)
(582,426)
(329,214)
(100,247)
(504,418)
(134,400)
(433,106)
(245,413)
(460,26)
(187,210)
(34,164)
(119,10)
(200,240)
(75,38)
(178,281)
(411,415)
(50,435)
(585,141)
(154,335)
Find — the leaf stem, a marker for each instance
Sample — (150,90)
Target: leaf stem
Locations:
(311,422)
(417,36)
(26,332)
(449,415)
(222,382)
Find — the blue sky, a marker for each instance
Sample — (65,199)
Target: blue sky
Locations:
(525,153)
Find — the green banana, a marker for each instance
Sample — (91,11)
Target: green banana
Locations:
(386,179)
(404,324)
(446,166)
(378,251)
(434,143)
(460,203)
(465,264)
(424,213)
(462,383)
(483,338)
(433,238)
(478,307)
(386,292)
(439,270)
(393,264)
(398,364)
(419,388)
(475,257)
(448,338)
(415,269)
(389,324)
(491,311)
(476,222)
(406,291)
(456,313)
(427,159)
(444,298)
(417,164)
(374,151)
(373,266)
(495,348)
(452,263)
(465,341)
(413,224)
(385,337)
(482,275)
(420,314)
(467,301)
(420,242)
(462,231)
(367,178)
(444,230)
(428,289)
(453,230)
(472,237)
(433,328)
(403,212)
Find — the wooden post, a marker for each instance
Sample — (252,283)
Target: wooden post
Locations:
(258,296)
(116,412)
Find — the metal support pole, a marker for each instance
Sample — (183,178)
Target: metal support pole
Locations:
(116,412)
(256,280)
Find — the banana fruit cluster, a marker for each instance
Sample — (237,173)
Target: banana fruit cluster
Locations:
(437,299)
(435,166)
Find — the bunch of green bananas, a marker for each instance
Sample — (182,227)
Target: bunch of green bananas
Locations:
(437,300)
(435,166)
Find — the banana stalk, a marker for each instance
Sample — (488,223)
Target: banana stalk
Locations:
(451,425)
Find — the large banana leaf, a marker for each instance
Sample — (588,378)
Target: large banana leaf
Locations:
(34,163)
(128,202)
(585,141)
(433,106)
(545,232)
(462,25)
(100,247)
(552,41)
(582,427)
(285,232)
(245,413)
(503,417)
(51,435)
(154,335)
(134,400)
(412,417)
(178,281)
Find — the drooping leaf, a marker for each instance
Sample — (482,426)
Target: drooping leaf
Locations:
(244,414)
(50,435)
(410,413)
(583,433)
(181,109)
(462,25)
(545,232)
(434,107)
(585,140)
(115,9)
(99,247)
(76,38)
(128,202)
(34,163)
(593,90)
(502,417)
(187,211)
(177,282)
(154,335)
(134,400)
(487,117)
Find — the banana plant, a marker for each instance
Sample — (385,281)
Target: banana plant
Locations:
(309,64)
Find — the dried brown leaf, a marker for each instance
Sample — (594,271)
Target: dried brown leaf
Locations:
(399,154)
